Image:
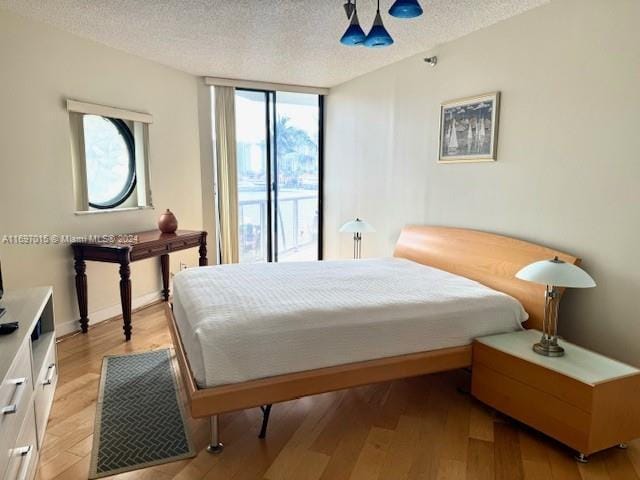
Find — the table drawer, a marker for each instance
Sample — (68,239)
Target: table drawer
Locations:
(44,389)
(537,408)
(566,388)
(15,397)
(138,253)
(183,244)
(24,454)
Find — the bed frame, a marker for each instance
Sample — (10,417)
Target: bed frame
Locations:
(487,258)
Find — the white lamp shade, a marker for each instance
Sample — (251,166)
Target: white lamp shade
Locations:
(357,226)
(556,273)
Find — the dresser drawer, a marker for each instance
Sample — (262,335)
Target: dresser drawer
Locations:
(44,389)
(23,456)
(568,389)
(15,397)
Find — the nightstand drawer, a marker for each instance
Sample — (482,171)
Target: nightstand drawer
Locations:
(571,391)
(535,407)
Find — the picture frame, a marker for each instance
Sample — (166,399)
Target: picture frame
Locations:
(469,129)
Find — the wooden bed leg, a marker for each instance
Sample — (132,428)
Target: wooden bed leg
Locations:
(215,446)
(266,410)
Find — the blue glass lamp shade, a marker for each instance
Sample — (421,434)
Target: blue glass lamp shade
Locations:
(354,34)
(378,35)
(405,9)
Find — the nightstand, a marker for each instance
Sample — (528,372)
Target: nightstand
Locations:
(584,400)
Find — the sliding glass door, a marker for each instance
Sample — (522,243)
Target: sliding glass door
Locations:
(279,157)
(297,132)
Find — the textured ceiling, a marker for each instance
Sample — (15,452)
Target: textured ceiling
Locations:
(285,41)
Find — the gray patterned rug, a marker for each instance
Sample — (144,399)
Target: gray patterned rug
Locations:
(139,420)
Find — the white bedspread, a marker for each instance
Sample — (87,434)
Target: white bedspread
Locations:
(243,322)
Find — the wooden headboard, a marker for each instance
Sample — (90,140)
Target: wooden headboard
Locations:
(490,259)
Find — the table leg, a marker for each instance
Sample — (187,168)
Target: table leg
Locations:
(81,291)
(204,261)
(125,298)
(164,265)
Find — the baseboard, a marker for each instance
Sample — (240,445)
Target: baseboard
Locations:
(106,313)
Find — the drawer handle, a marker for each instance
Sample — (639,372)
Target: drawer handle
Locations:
(25,453)
(20,384)
(51,371)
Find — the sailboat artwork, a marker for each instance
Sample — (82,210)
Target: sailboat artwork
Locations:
(452,144)
(468,129)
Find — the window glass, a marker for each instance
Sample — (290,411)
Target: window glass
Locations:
(251,148)
(298,161)
(110,161)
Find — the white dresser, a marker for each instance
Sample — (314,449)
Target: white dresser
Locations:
(28,377)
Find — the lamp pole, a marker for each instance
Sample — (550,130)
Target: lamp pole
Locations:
(548,345)
(357,245)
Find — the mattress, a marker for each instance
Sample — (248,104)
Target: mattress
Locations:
(250,321)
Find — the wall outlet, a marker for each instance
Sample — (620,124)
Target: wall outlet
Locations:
(183,266)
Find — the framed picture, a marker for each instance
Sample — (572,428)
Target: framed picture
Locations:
(469,129)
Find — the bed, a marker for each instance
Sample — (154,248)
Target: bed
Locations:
(247,322)
(253,335)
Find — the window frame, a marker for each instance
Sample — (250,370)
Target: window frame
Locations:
(139,125)
(130,186)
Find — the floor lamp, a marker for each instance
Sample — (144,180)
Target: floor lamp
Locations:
(357,227)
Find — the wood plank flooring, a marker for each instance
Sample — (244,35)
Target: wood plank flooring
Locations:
(421,428)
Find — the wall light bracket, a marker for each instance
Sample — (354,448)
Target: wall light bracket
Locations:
(433,61)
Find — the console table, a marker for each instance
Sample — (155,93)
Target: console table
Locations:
(138,246)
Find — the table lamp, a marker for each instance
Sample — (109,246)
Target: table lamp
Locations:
(553,274)
(357,227)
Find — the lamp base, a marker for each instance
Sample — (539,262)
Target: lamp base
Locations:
(548,349)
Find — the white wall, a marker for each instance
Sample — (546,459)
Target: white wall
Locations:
(568,170)
(41,67)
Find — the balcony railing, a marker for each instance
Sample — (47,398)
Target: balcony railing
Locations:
(297,225)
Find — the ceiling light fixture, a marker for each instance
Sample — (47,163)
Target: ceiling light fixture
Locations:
(354,35)
(405,9)
(378,36)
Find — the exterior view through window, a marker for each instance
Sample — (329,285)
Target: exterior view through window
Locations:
(278,156)
(110,161)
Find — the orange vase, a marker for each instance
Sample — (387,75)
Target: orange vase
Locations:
(168,223)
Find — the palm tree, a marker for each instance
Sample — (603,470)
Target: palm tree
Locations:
(297,151)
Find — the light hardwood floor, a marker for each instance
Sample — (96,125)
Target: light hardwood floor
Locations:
(420,428)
